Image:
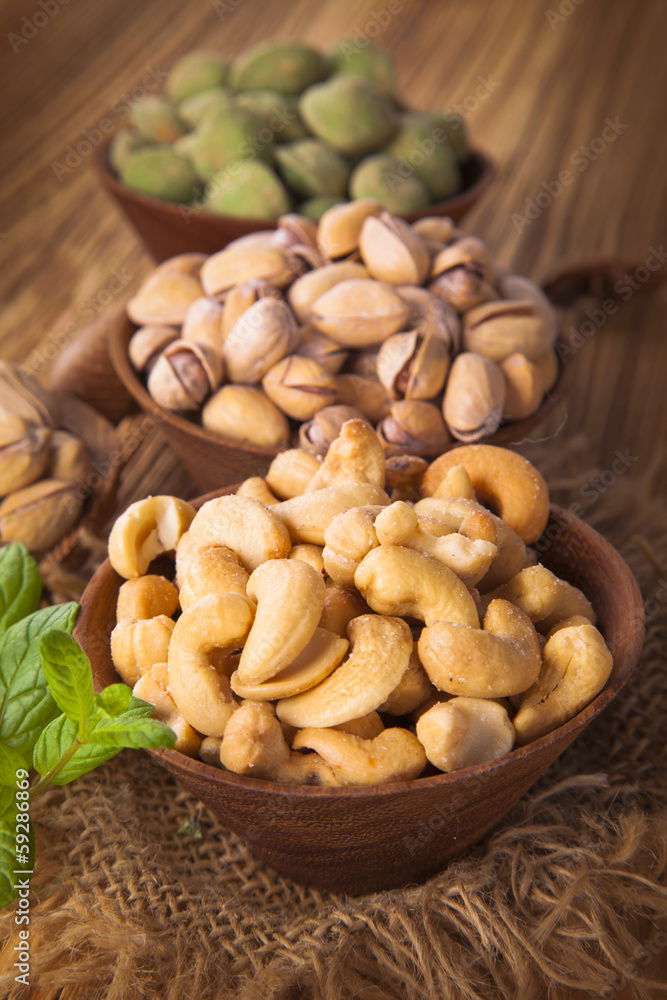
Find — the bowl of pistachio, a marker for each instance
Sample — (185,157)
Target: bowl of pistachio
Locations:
(228,148)
(367,665)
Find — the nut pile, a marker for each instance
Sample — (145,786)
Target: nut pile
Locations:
(285,125)
(44,471)
(413,328)
(368,611)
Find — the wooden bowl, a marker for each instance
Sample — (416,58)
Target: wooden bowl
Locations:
(214,461)
(366,839)
(168,229)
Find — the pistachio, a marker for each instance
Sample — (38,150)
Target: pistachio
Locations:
(300,386)
(431,316)
(203,324)
(147,344)
(413,366)
(184,375)
(359,313)
(437,230)
(438,170)
(318,433)
(547,365)
(279,112)
(24,453)
(474,398)
(403,477)
(241,297)
(156,119)
(299,235)
(454,128)
(246,262)
(311,167)
(183,263)
(265,333)
(350,113)
(321,348)
(364,394)
(247,188)
(39,515)
(315,208)
(309,287)
(195,72)
(516,287)
(124,143)
(286,66)
(204,104)
(164,298)
(463,274)
(70,459)
(243,413)
(383,177)
(415,426)
(500,328)
(524,387)
(392,251)
(340,227)
(364,362)
(370,62)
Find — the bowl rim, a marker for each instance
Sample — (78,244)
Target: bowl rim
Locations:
(176,761)
(486,167)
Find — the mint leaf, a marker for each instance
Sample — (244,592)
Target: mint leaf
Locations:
(14,857)
(67,671)
(10,762)
(20,584)
(117,699)
(132,732)
(26,704)
(55,741)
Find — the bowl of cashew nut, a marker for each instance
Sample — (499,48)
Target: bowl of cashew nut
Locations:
(366,660)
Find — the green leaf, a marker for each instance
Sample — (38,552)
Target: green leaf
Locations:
(26,704)
(55,741)
(20,584)
(14,858)
(133,732)
(10,762)
(67,671)
(117,700)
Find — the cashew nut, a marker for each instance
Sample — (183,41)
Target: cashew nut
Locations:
(214,570)
(456,484)
(576,665)
(200,659)
(311,554)
(291,471)
(502,480)
(341,605)
(317,659)
(146,597)
(254,744)
(399,524)
(136,646)
(395,580)
(403,475)
(544,597)
(244,525)
(503,658)
(147,529)
(567,623)
(256,488)
(307,517)
(367,727)
(290,599)
(411,691)
(379,656)
(394,755)
(465,731)
(348,538)
(153,688)
(209,750)
(355,456)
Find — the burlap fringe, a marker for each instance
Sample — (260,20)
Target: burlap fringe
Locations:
(568,898)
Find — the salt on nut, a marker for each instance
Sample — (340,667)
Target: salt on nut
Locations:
(153,688)
(348,538)
(254,744)
(311,554)
(256,488)
(502,658)
(291,471)
(380,649)
(244,525)
(394,755)
(456,484)
(544,597)
(146,597)
(136,646)
(411,691)
(214,570)
(355,456)
(321,654)
(576,665)
(503,480)
(307,517)
(200,659)
(145,530)
(290,598)
(395,580)
(465,731)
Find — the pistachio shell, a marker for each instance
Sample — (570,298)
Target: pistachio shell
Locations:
(317,434)
(39,515)
(241,297)
(413,426)
(315,208)
(195,72)
(203,324)
(500,328)
(463,274)
(516,287)
(524,387)
(300,386)
(265,333)
(164,299)
(279,112)
(161,173)
(70,459)
(238,263)
(23,396)
(286,66)
(422,144)
(183,263)
(384,177)
(312,167)
(364,394)
(340,227)
(225,137)
(474,398)
(370,62)
(359,312)
(321,348)
(413,366)
(431,315)
(310,286)
(156,119)
(349,113)
(184,376)
(24,453)
(437,229)
(207,103)
(244,413)
(392,251)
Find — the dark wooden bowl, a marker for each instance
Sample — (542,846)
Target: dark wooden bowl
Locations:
(168,229)
(214,461)
(358,839)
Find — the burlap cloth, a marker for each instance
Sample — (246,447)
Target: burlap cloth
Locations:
(140,892)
